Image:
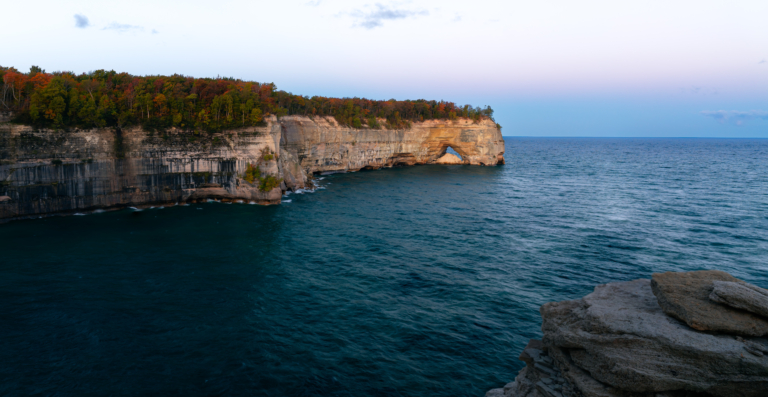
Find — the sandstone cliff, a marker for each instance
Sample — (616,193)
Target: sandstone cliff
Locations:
(46,172)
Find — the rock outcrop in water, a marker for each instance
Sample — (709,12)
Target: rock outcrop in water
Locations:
(619,342)
(46,172)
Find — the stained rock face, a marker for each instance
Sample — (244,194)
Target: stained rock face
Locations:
(47,171)
(686,297)
(618,342)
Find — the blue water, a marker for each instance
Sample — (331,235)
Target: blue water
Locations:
(420,281)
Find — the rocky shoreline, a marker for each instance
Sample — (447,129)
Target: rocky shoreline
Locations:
(694,334)
(49,172)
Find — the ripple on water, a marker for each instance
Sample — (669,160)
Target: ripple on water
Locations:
(402,282)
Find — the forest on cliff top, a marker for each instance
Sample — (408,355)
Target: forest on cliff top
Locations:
(109,99)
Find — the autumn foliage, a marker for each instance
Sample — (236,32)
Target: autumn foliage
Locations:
(110,99)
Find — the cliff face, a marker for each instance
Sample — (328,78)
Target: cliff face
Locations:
(321,145)
(46,172)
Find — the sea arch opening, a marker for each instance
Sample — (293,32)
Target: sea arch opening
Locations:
(450,155)
(451,150)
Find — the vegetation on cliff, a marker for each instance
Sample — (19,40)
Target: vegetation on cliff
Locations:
(110,99)
(265,183)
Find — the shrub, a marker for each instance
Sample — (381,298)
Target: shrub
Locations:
(252,173)
(266,154)
(269,182)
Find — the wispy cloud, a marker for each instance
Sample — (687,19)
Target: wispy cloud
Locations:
(761,62)
(81,21)
(737,117)
(313,3)
(121,27)
(375,18)
(154,31)
(701,91)
(457,18)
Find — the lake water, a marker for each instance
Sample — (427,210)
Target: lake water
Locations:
(420,281)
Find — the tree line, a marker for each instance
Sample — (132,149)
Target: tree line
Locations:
(109,99)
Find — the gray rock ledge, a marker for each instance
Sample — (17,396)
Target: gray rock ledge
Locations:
(741,296)
(618,342)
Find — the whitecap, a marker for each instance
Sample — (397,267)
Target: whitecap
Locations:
(251,202)
(79,214)
(99,211)
(286,201)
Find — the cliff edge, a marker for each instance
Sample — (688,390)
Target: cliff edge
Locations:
(45,171)
(630,339)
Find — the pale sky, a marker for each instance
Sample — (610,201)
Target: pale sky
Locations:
(548,67)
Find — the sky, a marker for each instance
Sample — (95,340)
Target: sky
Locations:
(547,67)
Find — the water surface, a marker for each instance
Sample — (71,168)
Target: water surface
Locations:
(420,281)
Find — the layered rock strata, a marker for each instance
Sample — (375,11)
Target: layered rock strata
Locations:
(46,172)
(686,297)
(618,341)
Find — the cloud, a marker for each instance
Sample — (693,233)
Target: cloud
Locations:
(457,18)
(761,62)
(700,91)
(313,3)
(737,117)
(81,21)
(375,18)
(121,27)
(154,31)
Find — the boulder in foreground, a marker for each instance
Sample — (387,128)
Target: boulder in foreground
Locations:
(685,296)
(619,342)
(741,296)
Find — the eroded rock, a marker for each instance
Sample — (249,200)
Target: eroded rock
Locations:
(619,342)
(741,296)
(686,297)
(46,171)
(622,337)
